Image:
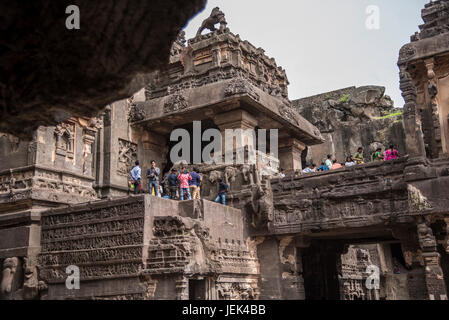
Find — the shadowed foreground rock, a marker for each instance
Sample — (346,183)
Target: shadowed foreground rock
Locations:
(49,73)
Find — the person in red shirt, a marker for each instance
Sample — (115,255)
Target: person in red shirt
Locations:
(184,179)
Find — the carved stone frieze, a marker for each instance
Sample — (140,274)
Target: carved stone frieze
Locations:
(175,103)
(241,86)
(127,157)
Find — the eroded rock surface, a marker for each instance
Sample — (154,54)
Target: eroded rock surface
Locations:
(49,73)
(350,118)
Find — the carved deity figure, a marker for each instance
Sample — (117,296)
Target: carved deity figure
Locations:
(426,238)
(215,17)
(9,269)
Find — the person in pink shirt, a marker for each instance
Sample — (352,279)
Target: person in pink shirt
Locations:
(391,154)
(336,165)
(184,179)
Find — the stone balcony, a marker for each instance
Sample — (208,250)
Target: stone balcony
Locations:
(367,199)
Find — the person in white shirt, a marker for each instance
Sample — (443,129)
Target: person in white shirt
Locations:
(307,169)
(350,162)
(329,162)
(282,173)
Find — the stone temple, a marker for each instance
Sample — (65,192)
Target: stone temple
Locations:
(65,200)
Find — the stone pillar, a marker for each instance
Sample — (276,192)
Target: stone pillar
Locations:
(431,102)
(290,150)
(182,288)
(234,120)
(154,148)
(280,269)
(412,120)
(436,287)
(88,140)
(416,284)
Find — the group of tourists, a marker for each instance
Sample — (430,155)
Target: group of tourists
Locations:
(358,158)
(183,185)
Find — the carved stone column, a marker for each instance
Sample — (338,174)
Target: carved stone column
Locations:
(290,150)
(431,101)
(436,287)
(412,121)
(182,288)
(88,141)
(235,120)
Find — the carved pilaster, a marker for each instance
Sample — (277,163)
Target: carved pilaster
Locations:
(412,120)
(436,287)
(182,288)
(432,89)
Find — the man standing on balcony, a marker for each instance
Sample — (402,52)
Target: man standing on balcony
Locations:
(153,179)
(136,177)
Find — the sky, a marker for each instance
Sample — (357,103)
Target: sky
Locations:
(325,45)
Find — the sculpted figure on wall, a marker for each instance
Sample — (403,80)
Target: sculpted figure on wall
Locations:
(215,17)
(8,272)
(65,135)
(127,157)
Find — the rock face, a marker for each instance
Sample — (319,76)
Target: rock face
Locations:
(49,73)
(350,118)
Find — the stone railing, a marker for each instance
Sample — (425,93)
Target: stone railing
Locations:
(358,196)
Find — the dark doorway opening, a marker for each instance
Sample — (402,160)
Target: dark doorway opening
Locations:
(320,272)
(396,253)
(197,289)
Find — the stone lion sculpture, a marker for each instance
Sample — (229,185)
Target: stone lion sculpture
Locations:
(215,17)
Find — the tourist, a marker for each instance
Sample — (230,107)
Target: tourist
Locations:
(323,167)
(313,168)
(350,162)
(184,188)
(358,157)
(222,189)
(307,169)
(282,173)
(391,154)
(195,184)
(336,165)
(136,177)
(173,183)
(377,156)
(328,162)
(153,179)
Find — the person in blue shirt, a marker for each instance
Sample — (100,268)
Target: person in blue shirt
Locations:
(323,167)
(195,184)
(222,189)
(136,177)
